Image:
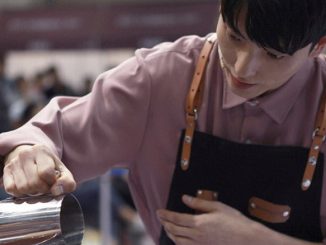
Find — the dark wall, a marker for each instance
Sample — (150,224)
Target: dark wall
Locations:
(101,27)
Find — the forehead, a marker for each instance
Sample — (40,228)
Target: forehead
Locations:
(239,22)
(235,17)
(263,23)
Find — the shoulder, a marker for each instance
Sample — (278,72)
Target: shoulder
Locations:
(320,68)
(322,57)
(321,61)
(162,58)
(187,46)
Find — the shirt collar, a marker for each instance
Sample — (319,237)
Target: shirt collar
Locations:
(277,104)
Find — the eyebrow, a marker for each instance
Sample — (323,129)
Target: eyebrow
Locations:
(236,31)
(241,35)
(275,52)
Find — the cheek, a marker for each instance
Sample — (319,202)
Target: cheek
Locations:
(287,69)
(228,52)
(226,47)
(277,75)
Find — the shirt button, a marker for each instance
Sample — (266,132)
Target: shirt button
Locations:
(253,102)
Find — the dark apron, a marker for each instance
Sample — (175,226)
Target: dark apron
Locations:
(278,186)
(238,172)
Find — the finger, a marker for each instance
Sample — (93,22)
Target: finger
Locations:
(206,206)
(222,207)
(54,172)
(8,182)
(20,182)
(21,173)
(179,240)
(65,183)
(46,168)
(200,204)
(171,236)
(177,230)
(35,184)
(181,219)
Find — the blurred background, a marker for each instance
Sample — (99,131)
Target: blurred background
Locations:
(59,47)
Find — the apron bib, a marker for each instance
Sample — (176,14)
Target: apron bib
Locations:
(242,173)
(278,186)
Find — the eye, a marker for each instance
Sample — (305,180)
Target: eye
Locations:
(234,37)
(275,56)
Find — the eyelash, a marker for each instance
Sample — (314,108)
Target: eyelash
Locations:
(274,56)
(234,37)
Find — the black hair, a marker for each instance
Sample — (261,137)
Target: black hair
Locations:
(283,25)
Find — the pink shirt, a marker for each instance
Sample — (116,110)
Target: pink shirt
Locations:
(135,113)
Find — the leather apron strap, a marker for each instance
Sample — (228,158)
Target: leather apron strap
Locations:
(318,138)
(194,100)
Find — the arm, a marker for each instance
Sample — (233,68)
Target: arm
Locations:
(220,224)
(89,134)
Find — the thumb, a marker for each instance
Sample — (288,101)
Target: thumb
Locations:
(65,182)
(199,204)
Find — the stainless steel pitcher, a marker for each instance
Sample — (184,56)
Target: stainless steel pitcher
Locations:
(41,220)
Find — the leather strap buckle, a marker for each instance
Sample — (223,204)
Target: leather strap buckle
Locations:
(193,114)
(193,101)
(316,134)
(318,137)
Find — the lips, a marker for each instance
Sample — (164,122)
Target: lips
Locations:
(240,83)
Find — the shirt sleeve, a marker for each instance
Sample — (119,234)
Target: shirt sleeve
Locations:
(95,132)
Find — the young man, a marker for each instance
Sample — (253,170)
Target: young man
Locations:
(251,146)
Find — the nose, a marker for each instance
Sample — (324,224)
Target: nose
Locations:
(246,64)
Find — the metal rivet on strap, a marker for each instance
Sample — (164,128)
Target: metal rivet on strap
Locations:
(316,147)
(306,183)
(312,160)
(286,214)
(188,139)
(184,163)
(252,205)
(199,192)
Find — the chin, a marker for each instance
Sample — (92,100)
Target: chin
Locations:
(247,94)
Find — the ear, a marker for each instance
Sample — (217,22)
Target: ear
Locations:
(319,47)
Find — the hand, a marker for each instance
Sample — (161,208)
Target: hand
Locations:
(219,224)
(34,170)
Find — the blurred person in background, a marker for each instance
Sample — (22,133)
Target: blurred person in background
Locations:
(127,227)
(223,139)
(87,84)
(53,85)
(36,87)
(7,92)
(22,99)
(4,115)
(29,100)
